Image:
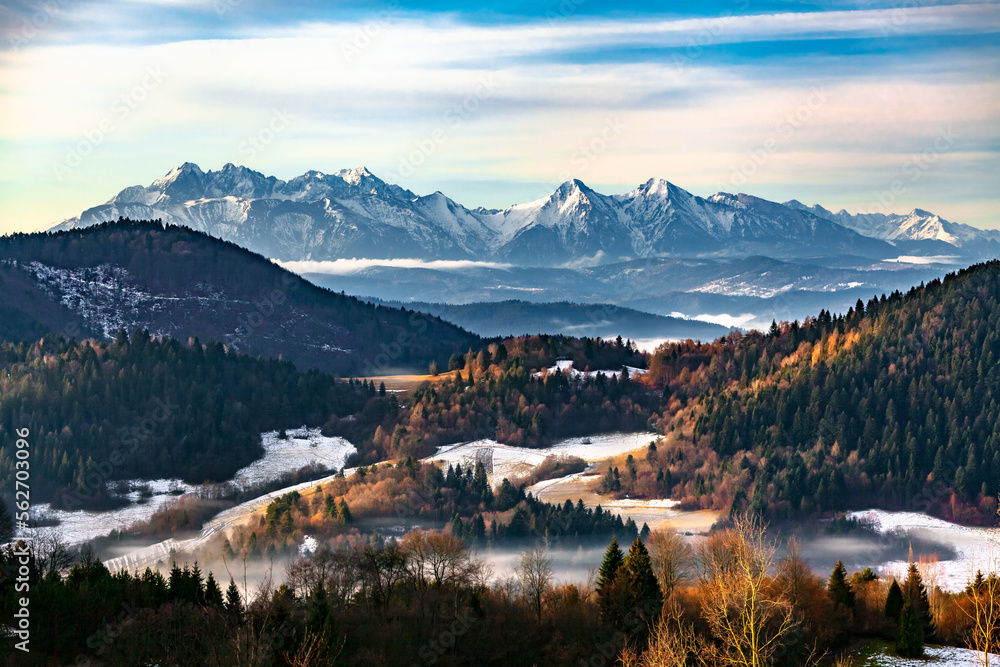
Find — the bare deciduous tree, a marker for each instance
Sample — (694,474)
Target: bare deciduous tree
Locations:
(745,616)
(674,642)
(983,612)
(672,559)
(535,573)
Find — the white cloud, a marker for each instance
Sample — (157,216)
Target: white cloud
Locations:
(341,267)
(694,124)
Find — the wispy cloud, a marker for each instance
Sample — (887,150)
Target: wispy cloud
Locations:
(342,267)
(701,91)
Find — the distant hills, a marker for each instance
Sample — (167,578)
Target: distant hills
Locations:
(516,318)
(183,283)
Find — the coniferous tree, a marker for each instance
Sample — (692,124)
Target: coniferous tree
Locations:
(910,635)
(915,593)
(613,559)
(894,601)
(213,594)
(642,584)
(344,512)
(840,589)
(234,603)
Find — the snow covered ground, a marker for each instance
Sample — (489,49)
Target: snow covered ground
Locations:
(76,526)
(976,548)
(503,461)
(302,447)
(566,366)
(939,656)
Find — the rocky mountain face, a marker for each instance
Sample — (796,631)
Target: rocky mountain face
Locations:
(353,213)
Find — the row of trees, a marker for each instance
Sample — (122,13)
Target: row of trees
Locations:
(731,601)
(428,599)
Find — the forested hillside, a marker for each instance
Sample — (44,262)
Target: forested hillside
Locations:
(501,392)
(142,407)
(892,404)
(182,283)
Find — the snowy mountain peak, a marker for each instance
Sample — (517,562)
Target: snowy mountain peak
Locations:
(320,216)
(358,175)
(658,187)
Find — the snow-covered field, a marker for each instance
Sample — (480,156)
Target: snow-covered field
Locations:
(503,461)
(566,367)
(976,548)
(76,526)
(938,656)
(302,447)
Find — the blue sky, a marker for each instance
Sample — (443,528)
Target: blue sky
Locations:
(869,106)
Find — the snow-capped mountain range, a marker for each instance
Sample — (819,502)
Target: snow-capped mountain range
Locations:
(353,213)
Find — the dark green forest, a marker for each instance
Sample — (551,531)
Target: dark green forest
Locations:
(148,408)
(893,404)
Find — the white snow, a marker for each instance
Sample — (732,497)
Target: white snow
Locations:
(504,461)
(565,366)
(938,656)
(303,446)
(78,526)
(976,548)
(308,545)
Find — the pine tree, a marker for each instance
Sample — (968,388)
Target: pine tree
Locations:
(197,592)
(613,559)
(319,610)
(234,603)
(344,512)
(213,594)
(176,582)
(609,582)
(894,601)
(643,586)
(976,584)
(840,590)
(910,635)
(915,593)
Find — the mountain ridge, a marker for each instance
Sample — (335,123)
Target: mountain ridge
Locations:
(182,283)
(353,213)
